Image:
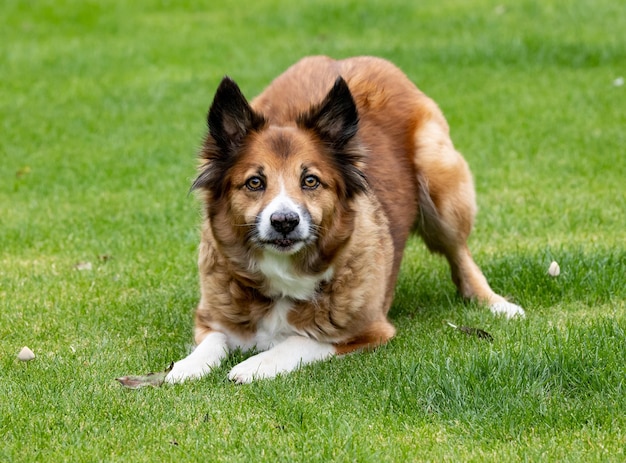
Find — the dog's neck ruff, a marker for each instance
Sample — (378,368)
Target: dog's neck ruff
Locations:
(283,279)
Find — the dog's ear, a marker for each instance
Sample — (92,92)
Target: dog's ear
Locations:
(230,117)
(335,119)
(230,120)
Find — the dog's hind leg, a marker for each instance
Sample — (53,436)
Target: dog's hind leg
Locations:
(447,209)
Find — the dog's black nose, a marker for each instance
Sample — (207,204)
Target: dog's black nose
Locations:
(284,222)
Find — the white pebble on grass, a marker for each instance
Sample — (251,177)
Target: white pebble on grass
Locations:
(26,354)
(82,266)
(554,270)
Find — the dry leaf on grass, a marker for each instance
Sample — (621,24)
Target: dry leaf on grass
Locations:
(151,379)
(22,172)
(482,334)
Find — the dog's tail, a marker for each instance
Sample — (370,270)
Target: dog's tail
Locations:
(428,223)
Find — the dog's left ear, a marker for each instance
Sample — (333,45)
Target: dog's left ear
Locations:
(335,119)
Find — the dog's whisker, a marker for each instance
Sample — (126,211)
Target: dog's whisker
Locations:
(319,228)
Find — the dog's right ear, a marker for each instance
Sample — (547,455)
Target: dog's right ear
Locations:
(231,118)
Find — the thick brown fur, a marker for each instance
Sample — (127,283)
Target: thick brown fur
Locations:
(398,171)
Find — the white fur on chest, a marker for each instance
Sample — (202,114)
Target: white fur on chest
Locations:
(286,286)
(271,329)
(284,282)
(274,327)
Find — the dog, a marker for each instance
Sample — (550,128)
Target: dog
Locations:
(310,193)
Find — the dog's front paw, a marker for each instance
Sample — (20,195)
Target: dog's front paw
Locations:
(260,366)
(508,309)
(286,356)
(186,369)
(201,361)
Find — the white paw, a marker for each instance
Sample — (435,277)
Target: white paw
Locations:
(207,355)
(284,357)
(260,366)
(186,369)
(507,309)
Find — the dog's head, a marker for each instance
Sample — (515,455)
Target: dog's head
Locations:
(281,189)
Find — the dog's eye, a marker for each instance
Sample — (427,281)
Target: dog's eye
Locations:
(255,184)
(310,182)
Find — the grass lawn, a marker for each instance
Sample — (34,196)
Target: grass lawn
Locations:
(102,109)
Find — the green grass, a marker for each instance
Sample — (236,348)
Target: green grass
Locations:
(102,109)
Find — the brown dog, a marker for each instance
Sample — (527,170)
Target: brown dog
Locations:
(310,193)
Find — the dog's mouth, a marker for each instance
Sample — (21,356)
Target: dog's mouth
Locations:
(284,244)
